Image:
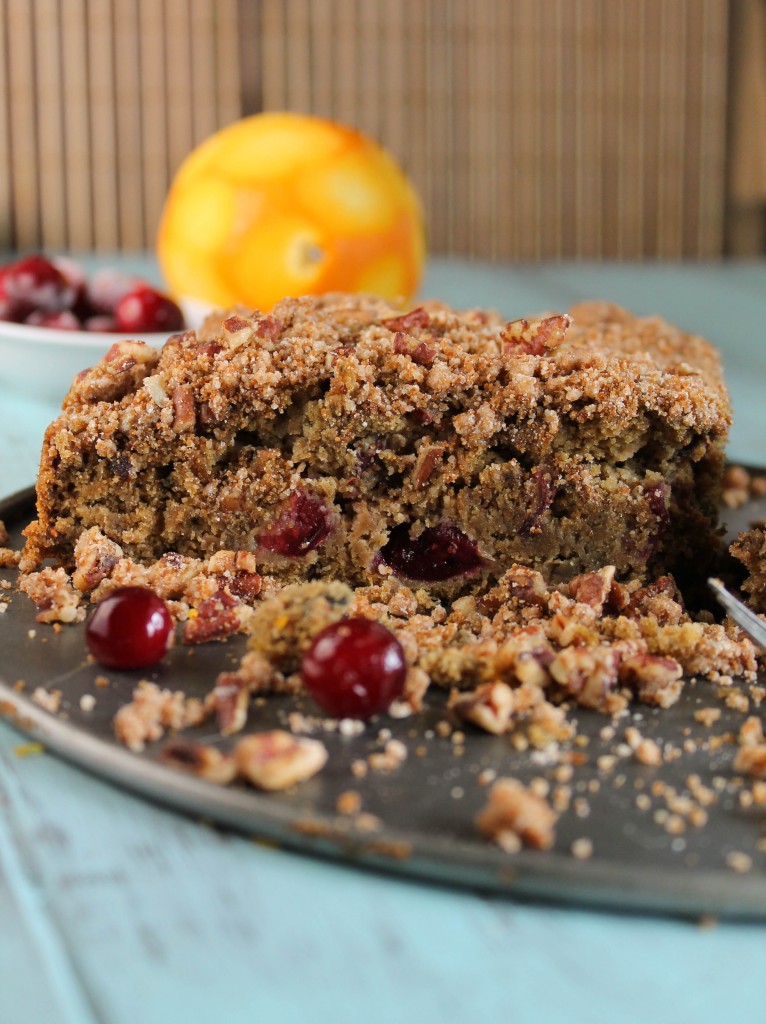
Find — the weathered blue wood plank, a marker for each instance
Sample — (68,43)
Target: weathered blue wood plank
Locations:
(206,926)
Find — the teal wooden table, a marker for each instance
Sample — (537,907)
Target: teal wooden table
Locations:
(116,911)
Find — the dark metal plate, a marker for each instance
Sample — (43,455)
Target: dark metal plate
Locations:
(427,807)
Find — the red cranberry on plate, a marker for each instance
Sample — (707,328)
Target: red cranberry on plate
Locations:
(354,668)
(34,281)
(145,310)
(130,628)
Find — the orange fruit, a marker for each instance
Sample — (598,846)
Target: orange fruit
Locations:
(286,204)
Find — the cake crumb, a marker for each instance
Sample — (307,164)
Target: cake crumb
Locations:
(582,848)
(50,700)
(739,861)
(349,803)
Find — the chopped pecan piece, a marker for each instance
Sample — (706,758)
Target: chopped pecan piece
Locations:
(276,759)
(489,706)
(515,815)
(654,679)
(95,556)
(232,562)
(427,461)
(421,352)
(587,673)
(751,760)
(593,588)
(231,696)
(519,585)
(269,328)
(200,759)
(408,321)
(244,585)
(216,619)
(184,411)
(750,732)
(535,337)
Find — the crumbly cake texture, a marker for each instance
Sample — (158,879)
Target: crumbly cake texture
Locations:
(750,549)
(339,438)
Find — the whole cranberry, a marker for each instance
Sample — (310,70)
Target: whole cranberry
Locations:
(64,320)
(101,322)
(74,275)
(354,668)
(130,628)
(145,310)
(107,286)
(34,281)
(10,309)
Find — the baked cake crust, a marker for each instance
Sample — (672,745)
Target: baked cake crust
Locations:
(337,437)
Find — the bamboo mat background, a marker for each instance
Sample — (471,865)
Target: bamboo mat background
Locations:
(533,129)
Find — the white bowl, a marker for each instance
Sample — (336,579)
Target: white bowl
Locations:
(43,361)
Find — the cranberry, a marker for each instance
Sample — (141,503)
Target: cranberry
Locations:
(10,309)
(439,553)
(36,282)
(101,322)
(74,275)
(106,287)
(64,320)
(354,668)
(145,310)
(130,628)
(301,526)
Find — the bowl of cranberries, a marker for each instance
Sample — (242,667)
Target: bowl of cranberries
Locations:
(56,320)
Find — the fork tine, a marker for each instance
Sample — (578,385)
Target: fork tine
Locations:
(745,618)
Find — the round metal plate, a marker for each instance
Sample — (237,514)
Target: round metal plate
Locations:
(426,807)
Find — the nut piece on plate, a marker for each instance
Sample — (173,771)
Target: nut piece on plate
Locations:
(277,760)
(200,759)
(490,706)
(515,816)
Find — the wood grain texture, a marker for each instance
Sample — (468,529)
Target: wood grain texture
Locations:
(533,129)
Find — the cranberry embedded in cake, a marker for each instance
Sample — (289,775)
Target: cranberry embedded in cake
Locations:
(438,553)
(301,526)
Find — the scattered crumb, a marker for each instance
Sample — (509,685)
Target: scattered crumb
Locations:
(349,802)
(50,700)
(738,861)
(582,848)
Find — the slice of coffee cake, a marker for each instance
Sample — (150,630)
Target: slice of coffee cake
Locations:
(338,437)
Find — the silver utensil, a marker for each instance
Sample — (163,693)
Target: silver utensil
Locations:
(745,617)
